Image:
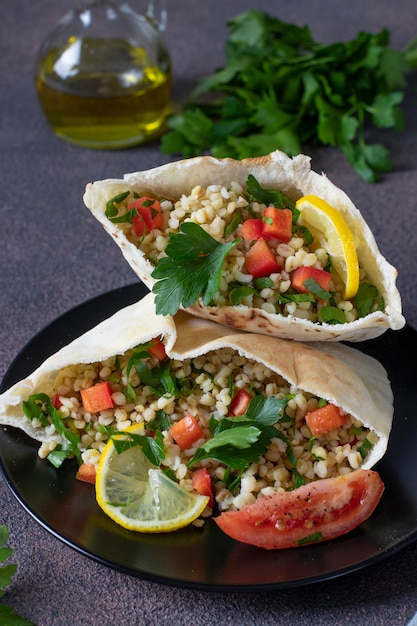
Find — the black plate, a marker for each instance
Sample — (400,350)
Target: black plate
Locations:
(206,558)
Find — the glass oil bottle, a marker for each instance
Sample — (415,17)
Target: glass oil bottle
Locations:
(103,75)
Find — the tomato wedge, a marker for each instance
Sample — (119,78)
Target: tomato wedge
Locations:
(319,511)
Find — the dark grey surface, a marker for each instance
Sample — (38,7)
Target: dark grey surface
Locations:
(53,256)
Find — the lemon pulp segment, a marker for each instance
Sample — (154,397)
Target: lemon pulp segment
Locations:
(335,236)
(139,496)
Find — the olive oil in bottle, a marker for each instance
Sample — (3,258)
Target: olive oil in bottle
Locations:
(103,77)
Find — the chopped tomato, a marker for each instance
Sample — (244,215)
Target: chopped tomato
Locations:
(325,419)
(260,261)
(240,403)
(301,274)
(203,484)
(86,473)
(149,215)
(252,229)
(319,511)
(56,401)
(186,432)
(157,349)
(97,398)
(277,224)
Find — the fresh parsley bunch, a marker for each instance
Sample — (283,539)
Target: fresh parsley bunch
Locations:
(280,89)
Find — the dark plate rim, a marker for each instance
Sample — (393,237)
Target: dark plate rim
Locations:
(105,305)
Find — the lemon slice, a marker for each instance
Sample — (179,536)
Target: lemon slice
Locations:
(139,496)
(330,228)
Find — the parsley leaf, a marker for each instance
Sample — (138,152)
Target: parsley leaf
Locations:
(7,614)
(365,299)
(192,268)
(39,406)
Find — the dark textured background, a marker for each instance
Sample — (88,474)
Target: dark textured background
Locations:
(53,256)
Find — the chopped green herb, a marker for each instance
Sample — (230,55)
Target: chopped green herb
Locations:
(192,268)
(365,299)
(364,448)
(40,406)
(331,315)
(313,538)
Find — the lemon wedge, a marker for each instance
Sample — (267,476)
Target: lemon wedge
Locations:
(330,228)
(139,496)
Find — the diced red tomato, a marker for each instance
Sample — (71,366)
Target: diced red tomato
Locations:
(86,473)
(301,274)
(56,401)
(203,484)
(186,432)
(240,403)
(97,398)
(252,229)
(149,215)
(324,419)
(157,349)
(277,224)
(260,261)
(319,511)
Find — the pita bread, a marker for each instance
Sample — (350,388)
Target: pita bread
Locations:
(342,375)
(275,171)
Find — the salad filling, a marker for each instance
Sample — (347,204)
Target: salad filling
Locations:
(250,431)
(248,246)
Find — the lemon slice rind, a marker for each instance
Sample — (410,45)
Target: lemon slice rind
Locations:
(335,237)
(141,497)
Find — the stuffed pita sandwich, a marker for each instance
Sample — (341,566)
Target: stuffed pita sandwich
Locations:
(257,415)
(264,245)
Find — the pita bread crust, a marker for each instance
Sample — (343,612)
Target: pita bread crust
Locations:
(275,171)
(350,379)
(124,330)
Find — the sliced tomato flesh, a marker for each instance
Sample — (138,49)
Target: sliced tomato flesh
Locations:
(324,419)
(186,431)
(321,510)
(86,473)
(149,215)
(252,229)
(203,484)
(97,398)
(301,274)
(157,349)
(260,261)
(240,403)
(277,224)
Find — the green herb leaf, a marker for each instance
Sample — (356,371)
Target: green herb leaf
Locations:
(192,268)
(7,614)
(331,315)
(39,406)
(365,299)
